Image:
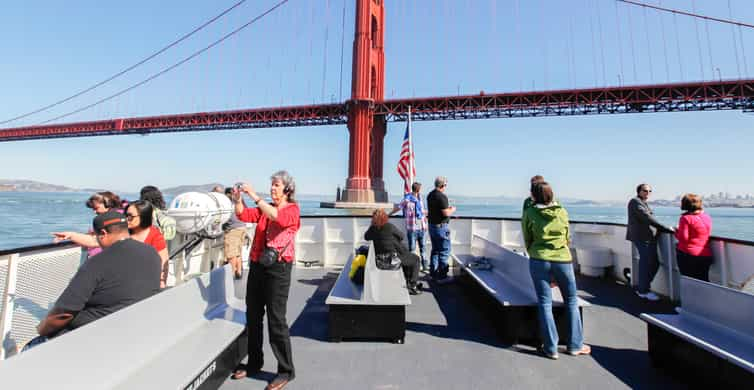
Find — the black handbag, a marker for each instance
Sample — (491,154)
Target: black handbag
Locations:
(388,261)
(271,256)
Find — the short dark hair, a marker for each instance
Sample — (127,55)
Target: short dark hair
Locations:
(145,209)
(534,181)
(153,195)
(416,186)
(639,187)
(691,202)
(117,228)
(107,198)
(542,193)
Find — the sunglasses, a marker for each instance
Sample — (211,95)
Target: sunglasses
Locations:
(647,190)
(130,217)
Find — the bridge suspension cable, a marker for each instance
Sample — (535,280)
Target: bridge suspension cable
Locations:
(168,69)
(675,11)
(128,69)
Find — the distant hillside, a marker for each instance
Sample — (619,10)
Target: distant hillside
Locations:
(32,186)
(190,188)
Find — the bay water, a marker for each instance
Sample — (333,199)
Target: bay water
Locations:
(29,218)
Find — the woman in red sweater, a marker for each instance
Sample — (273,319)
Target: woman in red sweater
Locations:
(694,228)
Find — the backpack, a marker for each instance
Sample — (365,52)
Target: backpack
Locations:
(165,223)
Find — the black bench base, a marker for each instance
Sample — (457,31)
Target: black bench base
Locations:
(213,376)
(517,324)
(692,364)
(367,322)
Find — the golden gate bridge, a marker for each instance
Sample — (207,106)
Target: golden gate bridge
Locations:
(367,111)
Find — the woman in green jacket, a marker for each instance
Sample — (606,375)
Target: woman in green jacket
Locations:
(546,234)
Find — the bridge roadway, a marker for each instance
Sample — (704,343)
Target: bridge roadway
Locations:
(451,344)
(676,97)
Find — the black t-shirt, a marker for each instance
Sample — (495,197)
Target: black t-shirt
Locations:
(436,202)
(125,273)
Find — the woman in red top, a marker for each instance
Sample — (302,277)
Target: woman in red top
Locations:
(268,286)
(694,228)
(139,215)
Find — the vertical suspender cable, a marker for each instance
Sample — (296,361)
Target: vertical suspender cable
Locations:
(602,43)
(649,47)
(544,50)
(709,50)
(678,45)
(698,40)
(620,41)
(324,54)
(594,52)
(743,51)
(664,46)
(342,49)
(571,52)
(518,46)
(735,44)
(631,37)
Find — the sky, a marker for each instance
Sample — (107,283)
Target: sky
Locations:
(52,50)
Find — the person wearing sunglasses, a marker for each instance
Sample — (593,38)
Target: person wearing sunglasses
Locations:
(642,231)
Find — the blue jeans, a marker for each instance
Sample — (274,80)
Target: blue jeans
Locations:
(540,271)
(414,237)
(440,237)
(648,264)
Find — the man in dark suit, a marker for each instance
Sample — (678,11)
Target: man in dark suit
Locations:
(641,231)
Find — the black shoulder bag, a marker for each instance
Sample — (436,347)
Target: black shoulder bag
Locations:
(271,256)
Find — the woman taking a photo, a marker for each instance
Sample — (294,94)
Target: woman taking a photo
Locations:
(546,234)
(269,281)
(694,228)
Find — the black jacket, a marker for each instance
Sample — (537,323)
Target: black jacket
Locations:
(387,239)
(641,220)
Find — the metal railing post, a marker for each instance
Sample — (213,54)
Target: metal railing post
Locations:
(9,294)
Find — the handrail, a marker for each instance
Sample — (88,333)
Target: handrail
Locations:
(66,244)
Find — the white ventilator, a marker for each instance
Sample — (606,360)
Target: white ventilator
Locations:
(200,211)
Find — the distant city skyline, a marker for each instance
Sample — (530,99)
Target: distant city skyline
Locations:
(293,57)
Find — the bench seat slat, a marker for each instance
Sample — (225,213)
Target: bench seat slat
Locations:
(189,356)
(716,339)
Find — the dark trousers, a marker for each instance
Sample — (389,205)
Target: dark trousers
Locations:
(410,264)
(648,264)
(696,267)
(268,288)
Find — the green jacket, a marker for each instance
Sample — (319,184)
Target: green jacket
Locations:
(546,232)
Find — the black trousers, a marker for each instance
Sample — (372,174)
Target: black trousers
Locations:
(696,267)
(268,288)
(410,264)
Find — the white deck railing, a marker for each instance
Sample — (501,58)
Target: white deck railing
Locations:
(32,278)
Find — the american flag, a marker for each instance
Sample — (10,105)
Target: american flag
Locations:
(406,168)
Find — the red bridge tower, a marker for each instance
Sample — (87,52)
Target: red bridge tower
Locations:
(366,130)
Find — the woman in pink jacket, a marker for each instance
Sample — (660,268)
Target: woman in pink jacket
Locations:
(694,228)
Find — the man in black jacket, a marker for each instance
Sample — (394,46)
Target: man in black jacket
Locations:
(641,231)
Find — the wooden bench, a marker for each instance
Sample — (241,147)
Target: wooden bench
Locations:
(509,284)
(374,310)
(710,340)
(188,337)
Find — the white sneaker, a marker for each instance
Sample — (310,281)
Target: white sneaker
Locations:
(650,296)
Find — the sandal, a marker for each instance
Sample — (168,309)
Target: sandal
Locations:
(239,372)
(541,351)
(585,350)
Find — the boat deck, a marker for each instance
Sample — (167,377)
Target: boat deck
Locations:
(451,343)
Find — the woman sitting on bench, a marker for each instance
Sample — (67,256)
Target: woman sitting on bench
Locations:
(388,240)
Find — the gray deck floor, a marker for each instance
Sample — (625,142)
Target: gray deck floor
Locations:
(452,344)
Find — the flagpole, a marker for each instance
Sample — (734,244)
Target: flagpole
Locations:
(410,151)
